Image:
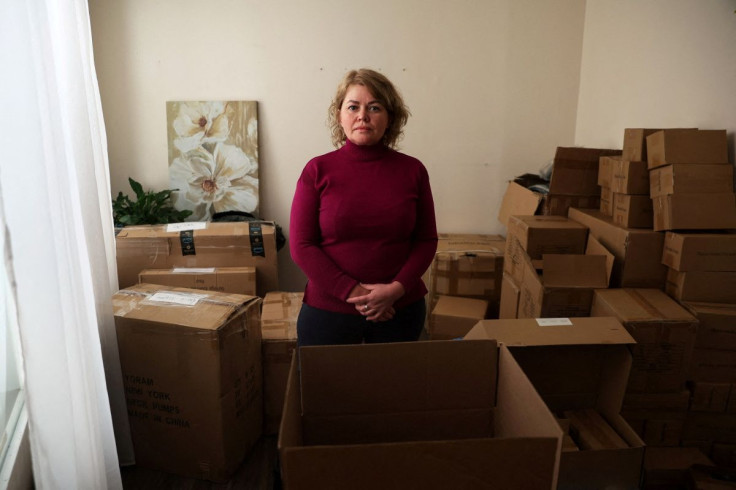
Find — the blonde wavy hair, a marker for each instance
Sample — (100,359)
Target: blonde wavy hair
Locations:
(384,91)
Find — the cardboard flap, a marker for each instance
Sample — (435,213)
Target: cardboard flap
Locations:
(594,247)
(518,200)
(550,331)
(569,270)
(375,378)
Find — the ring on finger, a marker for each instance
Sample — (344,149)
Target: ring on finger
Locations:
(365,307)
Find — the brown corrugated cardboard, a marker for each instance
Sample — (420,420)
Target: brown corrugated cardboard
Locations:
(632,211)
(537,235)
(605,170)
(694,212)
(687,146)
(714,365)
(658,418)
(665,334)
(229,244)
(564,288)
(191,364)
(700,251)
(638,252)
(635,143)
(702,286)
(606,206)
(509,298)
(558,205)
(453,316)
(683,178)
(518,200)
(575,170)
(430,415)
(709,396)
(717,329)
(577,363)
(630,177)
(667,467)
(238,280)
(716,427)
(467,265)
(278,328)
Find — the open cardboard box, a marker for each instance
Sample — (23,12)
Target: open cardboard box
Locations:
(577,363)
(430,415)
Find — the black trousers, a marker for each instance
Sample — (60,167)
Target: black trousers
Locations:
(320,327)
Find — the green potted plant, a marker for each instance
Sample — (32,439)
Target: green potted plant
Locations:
(149,208)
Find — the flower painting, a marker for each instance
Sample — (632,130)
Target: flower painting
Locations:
(213,157)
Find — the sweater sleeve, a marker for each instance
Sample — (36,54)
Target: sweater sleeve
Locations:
(424,238)
(305,238)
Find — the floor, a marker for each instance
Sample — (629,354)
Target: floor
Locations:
(258,472)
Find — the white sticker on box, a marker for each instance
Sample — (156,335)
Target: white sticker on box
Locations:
(194,225)
(193,270)
(176,298)
(553,322)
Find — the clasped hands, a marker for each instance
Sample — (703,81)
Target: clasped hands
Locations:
(375,301)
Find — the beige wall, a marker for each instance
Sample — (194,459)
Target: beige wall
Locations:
(492,86)
(653,64)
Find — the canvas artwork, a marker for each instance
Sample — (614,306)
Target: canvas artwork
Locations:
(213,156)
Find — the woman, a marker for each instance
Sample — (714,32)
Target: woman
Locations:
(362,223)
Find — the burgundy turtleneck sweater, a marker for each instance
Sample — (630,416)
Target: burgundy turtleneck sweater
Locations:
(362,214)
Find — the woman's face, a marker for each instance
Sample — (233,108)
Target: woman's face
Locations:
(362,117)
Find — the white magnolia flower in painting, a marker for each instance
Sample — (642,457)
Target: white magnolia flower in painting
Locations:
(226,180)
(199,123)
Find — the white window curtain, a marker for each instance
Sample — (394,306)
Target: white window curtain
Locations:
(54,182)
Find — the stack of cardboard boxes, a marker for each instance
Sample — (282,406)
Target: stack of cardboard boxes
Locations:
(464,282)
(189,337)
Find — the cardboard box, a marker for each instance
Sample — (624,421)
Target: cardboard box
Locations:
(564,288)
(606,206)
(577,363)
(694,212)
(668,467)
(702,286)
(605,170)
(708,396)
(430,415)
(238,280)
(715,365)
(638,252)
(227,244)
(575,171)
(635,143)
(724,455)
(700,251)
(537,235)
(658,418)
(685,178)
(518,200)
(510,293)
(630,177)
(717,329)
(632,211)
(664,331)
(191,364)
(707,477)
(278,328)
(467,265)
(558,205)
(687,146)
(454,316)
(716,427)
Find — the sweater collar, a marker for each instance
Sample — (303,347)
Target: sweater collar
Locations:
(364,153)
